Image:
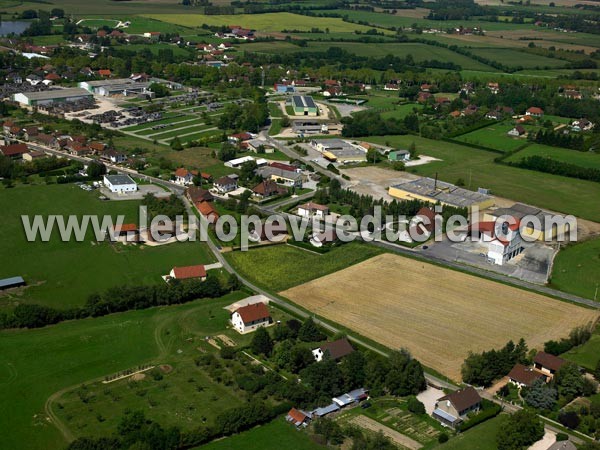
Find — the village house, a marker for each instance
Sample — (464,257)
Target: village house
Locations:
(225,184)
(250,317)
(493,87)
(297,417)
(452,409)
(197,195)
(311,209)
(114,156)
(184,177)
(46,139)
(523,376)
(29,133)
(547,364)
(14,151)
(335,350)
(281,176)
(517,131)
(268,188)
(534,111)
(188,272)
(239,137)
(208,211)
(581,125)
(33,155)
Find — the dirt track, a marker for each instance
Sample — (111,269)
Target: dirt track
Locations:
(438,314)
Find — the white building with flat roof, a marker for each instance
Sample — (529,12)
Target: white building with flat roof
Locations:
(120,184)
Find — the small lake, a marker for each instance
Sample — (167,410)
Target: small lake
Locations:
(8,27)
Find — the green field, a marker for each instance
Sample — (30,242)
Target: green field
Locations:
(420,52)
(481,437)
(34,364)
(179,131)
(515,58)
(586,355)
(576,269)
(477,169)
(284,266)
(583,159)
(399,112)
(64,274)
(146,126)
(273,436)
(495,136)
(269,22)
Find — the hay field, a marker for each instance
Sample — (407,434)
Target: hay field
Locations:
(438,314)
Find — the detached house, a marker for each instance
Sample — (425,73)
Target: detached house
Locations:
(250,317)
(297,417)
(517,131)
(188,272)
(311,209)
(336,350)
(523,376)
(225,185)
(452,409)
(184,177)
(534,111)
(548,364)
(14,151)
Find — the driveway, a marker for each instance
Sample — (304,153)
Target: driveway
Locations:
(428,397)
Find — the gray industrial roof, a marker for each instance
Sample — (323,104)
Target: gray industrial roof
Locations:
(268,171)
(302,101)
(57,93)
(444,192)
(12,281)
(119,179)
(113,81)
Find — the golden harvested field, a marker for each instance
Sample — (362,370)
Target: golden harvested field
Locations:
(438,314)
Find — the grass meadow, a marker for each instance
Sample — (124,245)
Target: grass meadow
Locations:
(478,169)
(576,269)
(481,437)
(35,364)
(275,435)
(564,155)
(268,22)
(64,274)
(280,267)
(495,136)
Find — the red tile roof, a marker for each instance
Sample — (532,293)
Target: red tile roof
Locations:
(13,149)
(524,375)
(535,110)
(314,206)
(182,273)
(254,312)
(182,172)
(207,210)
(296,416)
(283,166)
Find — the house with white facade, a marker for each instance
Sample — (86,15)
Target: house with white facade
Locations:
(225,184)
(250,317)
(503,239)
(184,177)
(311,209)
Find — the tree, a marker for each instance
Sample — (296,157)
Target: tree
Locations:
(540,395)
(568,381)
(160,90)
(353,370)
(569,419)
(227,152)
(261,342)
(95,170)
(415,406)
(57,12)
(520,430)
(325,378)
(176,144)
(309,332)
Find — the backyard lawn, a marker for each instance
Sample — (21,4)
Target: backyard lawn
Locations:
(576,269)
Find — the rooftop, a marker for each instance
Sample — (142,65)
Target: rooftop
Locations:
(119,179)
(443,192)
(57,93)
(302,101)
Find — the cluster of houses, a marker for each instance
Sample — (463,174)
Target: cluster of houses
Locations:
(544,368)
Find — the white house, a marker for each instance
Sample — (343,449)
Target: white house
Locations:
(225,185)
(311,209)
(184,177)
(120,183)
(250,317)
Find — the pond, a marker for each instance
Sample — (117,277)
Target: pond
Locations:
(16,27)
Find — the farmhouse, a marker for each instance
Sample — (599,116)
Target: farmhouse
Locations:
(547,364)
(12,282)
(114,156)
(534,111)
(517,131)
(250,317)
(452,409)
(33,155)
(198,195)
(208,211)
(311,209)
(523,376)
(225,184)
(188,272)
(335,350)
(14,151)
(297,417)
(239,137)
(120,184)
(51,97)
(304,106)
(433,191)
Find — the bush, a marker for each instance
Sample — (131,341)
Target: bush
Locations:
(562,437)
(443,437)
(489,411)
(415,406)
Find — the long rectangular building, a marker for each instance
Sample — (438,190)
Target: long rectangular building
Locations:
(51,96)
(304,106)
(434,191)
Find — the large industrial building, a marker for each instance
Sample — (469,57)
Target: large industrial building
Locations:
(434,191)
(304,105)
(116,86)
(51,97)
(338,150)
